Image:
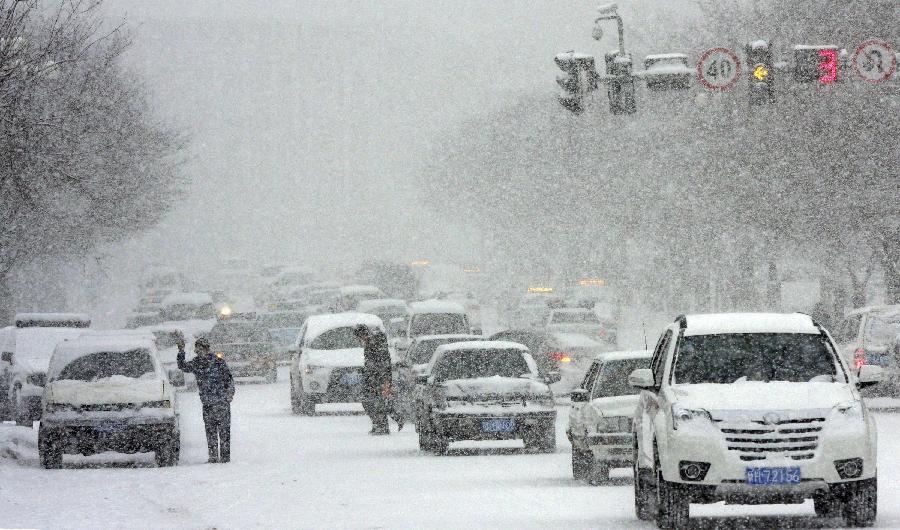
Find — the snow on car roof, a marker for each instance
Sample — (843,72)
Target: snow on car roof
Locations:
(318,324)
(422,338)
(715,324)
(37,344)
(187,298)
(23,320)
(624,355)
(365,306)
(359,289)
(436,306)
(481,345)
(68,351)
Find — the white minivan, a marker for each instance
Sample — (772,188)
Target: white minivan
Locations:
(752,409)
(435,317)
(107,393)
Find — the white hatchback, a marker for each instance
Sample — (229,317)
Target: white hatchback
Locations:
(752,409)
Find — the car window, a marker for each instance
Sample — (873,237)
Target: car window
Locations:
(135,364)
(612,378)
(470,364)
(766,357)
(423,350)
(882,330)
(336,339)
(659,357)
(588,382)
(438,324)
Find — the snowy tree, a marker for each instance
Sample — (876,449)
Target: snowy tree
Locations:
(82,159)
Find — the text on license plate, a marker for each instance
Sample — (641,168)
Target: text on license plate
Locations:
(351,378)
(498,425)
(767,476)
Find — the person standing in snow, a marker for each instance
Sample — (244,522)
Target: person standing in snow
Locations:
(216,387)
(376,378)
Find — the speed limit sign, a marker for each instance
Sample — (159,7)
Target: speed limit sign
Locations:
(874,61)
(719,68)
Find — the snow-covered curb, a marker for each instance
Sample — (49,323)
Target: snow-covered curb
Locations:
(18,443)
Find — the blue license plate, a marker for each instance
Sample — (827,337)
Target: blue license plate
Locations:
(111,427)
(771,476)
(877,360)
(498,425)
(350,379)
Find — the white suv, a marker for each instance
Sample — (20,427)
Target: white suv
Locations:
(749,409)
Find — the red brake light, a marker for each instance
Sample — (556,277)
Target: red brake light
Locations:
(859,358)
(602,332)
(560,356)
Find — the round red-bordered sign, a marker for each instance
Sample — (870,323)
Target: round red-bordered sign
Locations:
(719,69)
(874,61)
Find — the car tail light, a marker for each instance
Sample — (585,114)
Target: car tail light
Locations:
(560,356)
(602,332)
(859,358)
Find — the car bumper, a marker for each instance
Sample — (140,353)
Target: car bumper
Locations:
(330,386)
(726,477)
(90,436)
(612,448)
(464,426)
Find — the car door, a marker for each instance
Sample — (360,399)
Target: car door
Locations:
(648,407)
(577,426)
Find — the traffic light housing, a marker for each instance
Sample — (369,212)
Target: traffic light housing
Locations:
(816,63)
(579,79)
(761,73)
(620,87)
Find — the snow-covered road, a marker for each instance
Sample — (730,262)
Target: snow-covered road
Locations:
(326,472)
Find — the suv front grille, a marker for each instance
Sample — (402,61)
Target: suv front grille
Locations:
(796,438)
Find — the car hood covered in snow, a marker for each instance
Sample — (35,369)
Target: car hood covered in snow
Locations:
(759,396)
(115,389)
(345,357)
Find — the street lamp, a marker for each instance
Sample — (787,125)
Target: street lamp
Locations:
(610,12)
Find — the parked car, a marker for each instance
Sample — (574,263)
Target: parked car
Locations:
(871,336)
(107,393)
(567,354)
(752,408)
(30,346)
(246,346)
(327,361)
(484,390)
(600,417)
(583,321)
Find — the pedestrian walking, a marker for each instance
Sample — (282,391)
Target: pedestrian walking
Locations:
(377,389)
(216,387)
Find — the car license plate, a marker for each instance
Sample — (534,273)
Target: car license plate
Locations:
(350,379)
(770,476)
(111,427)
(498,425)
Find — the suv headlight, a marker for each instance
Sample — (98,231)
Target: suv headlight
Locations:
(681,417)
(848,411)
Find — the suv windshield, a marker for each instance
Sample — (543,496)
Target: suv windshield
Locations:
(134,364)
(438,324)
(613,378)
(422,351)
(883,331)
(336,339)
(469,364)
(238,332)
(734,358)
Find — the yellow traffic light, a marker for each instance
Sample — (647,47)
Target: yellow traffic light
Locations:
(760,72)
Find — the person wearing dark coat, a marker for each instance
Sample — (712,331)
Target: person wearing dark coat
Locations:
(216,387)
(376,378)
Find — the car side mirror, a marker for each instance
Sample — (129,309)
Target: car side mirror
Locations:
(869,375)
(579,395)
(6,357)
(642,378)
(553,377)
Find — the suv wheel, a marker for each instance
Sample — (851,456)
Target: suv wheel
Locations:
(580,463)
(439,444)
(168,452)
(598,473)
(673,506)
(306,404)
(827,505)
(48,450)
(860,504)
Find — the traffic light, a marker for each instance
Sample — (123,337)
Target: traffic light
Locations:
(816,63)
(761,73)
(620,87)
(579,79)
